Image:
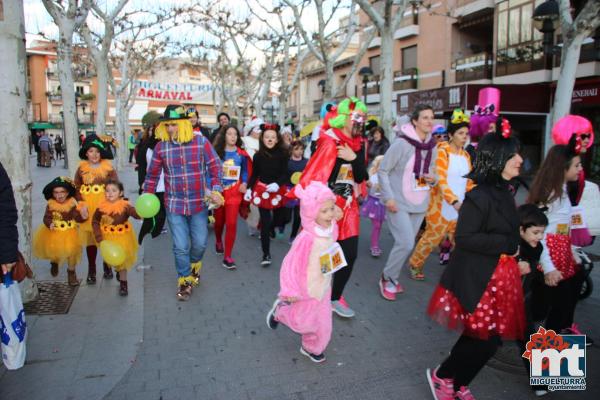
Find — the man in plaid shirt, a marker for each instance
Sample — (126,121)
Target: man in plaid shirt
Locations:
(186,160)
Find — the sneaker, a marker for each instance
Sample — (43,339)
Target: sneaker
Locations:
(123,291)
(441,389)
(540,391)
(266,260)
(271,321)
(463,394)
(388,289)
(318,358)
(184,292)
(195,269)
(219,248)
(229,263)
(444,258)
(574,330)
(375,251)
(341,308)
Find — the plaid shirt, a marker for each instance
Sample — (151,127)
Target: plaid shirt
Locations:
(185,166)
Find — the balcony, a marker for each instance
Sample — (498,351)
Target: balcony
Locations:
(518,59)
(477,66)
(318,103)
(54,97)
(405,80)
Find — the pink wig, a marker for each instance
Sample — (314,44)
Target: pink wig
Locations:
(569,125)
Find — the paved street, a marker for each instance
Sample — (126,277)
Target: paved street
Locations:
(217,345)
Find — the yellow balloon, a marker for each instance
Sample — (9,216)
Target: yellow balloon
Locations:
(113,253)
(296,177)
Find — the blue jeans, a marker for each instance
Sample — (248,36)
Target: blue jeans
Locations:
(189,234)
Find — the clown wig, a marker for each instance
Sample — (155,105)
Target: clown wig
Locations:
(185,132)
(569,125)
(344,109)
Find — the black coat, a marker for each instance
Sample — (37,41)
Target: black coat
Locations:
(9,236)
(488,226)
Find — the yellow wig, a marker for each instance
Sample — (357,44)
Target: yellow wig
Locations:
(185,131)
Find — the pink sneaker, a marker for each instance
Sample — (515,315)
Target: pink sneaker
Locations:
(375,251)
(574,330)
(464,394)
(441,389)
(387,289)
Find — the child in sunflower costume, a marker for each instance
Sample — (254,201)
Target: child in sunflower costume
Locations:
(57,239)
(111,222)
(91,176)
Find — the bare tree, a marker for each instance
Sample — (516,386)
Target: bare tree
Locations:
(68,17)
(286,34)
(386,21)
(574,32)
(99,46)
(328,48)
(133,56)
(14,143)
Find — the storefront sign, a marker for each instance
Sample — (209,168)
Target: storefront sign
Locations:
(444,99)
(586,94)
(172,91)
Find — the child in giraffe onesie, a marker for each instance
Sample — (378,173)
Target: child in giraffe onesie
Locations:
(452,163)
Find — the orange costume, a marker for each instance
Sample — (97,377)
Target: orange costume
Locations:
(450,167)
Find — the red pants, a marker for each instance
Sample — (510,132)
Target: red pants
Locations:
(226,216)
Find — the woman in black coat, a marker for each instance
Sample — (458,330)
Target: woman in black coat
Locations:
(9,236)
(480,291)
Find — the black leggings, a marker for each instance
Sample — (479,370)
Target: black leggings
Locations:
(295,221)
(563,300)
(467,358)
(340,278)
(268,220)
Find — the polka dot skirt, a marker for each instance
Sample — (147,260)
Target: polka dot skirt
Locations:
(559,247)
(500,311)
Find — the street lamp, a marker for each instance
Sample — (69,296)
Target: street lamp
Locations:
(546,19)
(366,72)
(322,85)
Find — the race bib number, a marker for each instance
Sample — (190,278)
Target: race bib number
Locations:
(346,175)
(419,184)
(562,229)
(231,172)
(332,259)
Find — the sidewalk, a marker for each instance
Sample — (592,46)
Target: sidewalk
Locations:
(217,345)
(84,353)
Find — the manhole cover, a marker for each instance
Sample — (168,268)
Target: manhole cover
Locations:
(55,298)
(508,359)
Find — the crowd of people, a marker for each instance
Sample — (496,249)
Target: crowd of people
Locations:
(508,267)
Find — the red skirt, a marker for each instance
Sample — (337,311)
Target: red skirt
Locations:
(263,199)
(559,247)
(500,311)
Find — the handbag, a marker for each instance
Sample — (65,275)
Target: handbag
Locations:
(21,269)
(13,329)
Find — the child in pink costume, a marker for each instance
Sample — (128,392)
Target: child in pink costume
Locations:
(304,303)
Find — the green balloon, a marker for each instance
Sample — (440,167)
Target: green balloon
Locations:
(112,253)
(147,205)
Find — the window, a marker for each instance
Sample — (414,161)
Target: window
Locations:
(409,59)
(374,64)
(79,89)
(519,44)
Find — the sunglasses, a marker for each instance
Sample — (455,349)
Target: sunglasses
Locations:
(585,136)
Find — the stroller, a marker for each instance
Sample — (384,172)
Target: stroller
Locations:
(587,265)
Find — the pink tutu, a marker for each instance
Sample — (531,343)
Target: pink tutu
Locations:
(373,208)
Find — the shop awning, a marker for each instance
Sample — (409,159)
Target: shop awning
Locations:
(43,125)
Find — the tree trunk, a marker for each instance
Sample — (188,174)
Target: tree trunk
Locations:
(122,133)
(386,80)
(67,87)
(14,140)
(282,106)
(566,78)
(102,96)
